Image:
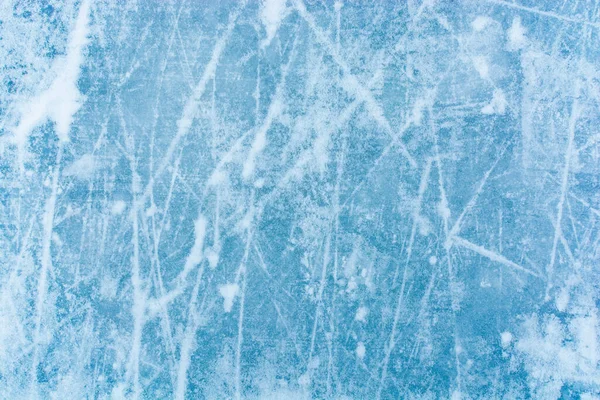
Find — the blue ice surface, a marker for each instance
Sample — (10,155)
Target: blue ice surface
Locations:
(299,199)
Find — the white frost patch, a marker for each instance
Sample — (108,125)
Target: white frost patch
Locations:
(228,291)
(558,352)
(218,177)
(62,99)
(443,209)
(497,105)
(304,380)
(516,35)
(151,211)
(56,239)
(481,66)
(506,338)
(360,350)
(585,331)
(562,300)
(433,260)
(118,207)
(259,183)
(417,111)
(271,14)
(352,285)
(70,386)
(589,396)
(458,349)
(480,23)
(361,314)
(195,256)
(212,255)
(314,363)
(423,224)
(82,168)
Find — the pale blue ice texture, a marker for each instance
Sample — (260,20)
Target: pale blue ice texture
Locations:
(299,199)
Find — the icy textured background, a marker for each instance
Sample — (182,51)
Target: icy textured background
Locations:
(299,199)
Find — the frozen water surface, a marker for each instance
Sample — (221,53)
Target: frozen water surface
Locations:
(299,199)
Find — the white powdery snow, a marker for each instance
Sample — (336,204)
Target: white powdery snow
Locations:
(481,66)
(480,23)
(506,339)
(228,292)
(516,35)
(361,350)
(118,207)
(62,99)
(497,105)
(271,14)
(361,314)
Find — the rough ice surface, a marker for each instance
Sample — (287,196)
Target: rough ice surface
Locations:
(299,199)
